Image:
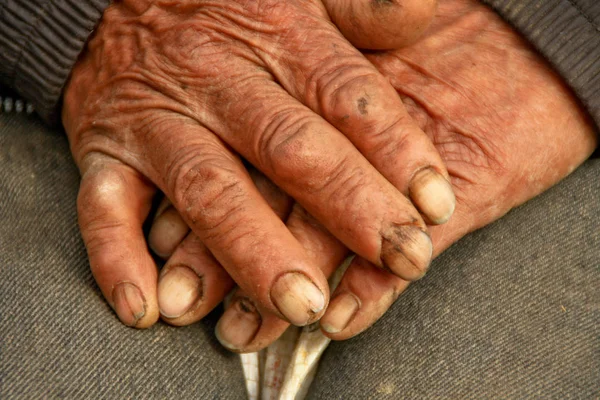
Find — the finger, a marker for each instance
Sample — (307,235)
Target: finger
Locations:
(245,327)
(381,24)
(216,197)
(279,202)
(313,162)
(192,282)
(293,147)
(364,294)
(113,203)
(168,230)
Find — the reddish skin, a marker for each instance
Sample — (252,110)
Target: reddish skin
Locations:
(505,124)
(382,24)
(168,90)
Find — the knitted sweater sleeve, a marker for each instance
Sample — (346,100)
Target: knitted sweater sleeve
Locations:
(40,41)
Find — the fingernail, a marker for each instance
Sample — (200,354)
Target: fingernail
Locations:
(406,251)
(340,312)
(238,325)
(297,298)
(433,195)
(129,303)
(179,289)
(167,231)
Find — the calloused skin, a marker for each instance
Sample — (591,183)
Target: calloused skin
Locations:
(170,95)
(505,124)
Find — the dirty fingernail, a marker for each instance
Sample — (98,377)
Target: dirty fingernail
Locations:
(179,289)
(340,312)
(433,195)
(297,298)
(238,325)
(406,251)
(167,231)
(129,303)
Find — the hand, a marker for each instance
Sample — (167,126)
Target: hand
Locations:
(504,123)
(168,91)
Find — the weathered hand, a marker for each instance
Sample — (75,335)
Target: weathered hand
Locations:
(165,94)
(505,125)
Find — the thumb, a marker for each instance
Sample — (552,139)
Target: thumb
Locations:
(112,205)
(381,24)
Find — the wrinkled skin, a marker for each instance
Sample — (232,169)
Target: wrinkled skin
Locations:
(168,93)
(505,125)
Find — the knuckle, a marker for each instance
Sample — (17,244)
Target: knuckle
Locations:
(207,192)
(303,159)
(292,151)
(350,94)
(100,190)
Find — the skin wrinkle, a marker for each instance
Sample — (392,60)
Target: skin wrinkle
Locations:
(296,159)
(349,188)
(382,4)
(221,231)
(284,63)
(385,149)
(184,159)
(282,131)
(488,153)
(197,188)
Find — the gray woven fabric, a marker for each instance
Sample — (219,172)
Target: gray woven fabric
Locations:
(58,337)
(509,312)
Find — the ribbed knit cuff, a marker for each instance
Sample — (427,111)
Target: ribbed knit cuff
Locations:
(567,33)
(40,42)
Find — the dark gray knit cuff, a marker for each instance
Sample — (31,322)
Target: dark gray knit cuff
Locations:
(567,33)
(39,44)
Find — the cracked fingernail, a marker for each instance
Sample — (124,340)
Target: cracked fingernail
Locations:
(406,251)
(297,298)
(238,325)
(179,289)
(340,312)
(129,303)
(433,195)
